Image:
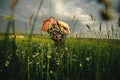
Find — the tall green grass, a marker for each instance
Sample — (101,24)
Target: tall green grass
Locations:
(38,59)
(81,59)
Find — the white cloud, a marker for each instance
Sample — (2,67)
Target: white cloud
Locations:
(4,12)
(83,17)
(60,8)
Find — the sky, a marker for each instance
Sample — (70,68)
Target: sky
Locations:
(69,11)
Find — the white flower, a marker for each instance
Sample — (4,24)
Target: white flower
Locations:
(43,66)
(80,65)
(51,72)
(66,48)
(74,55)
(58,63)
(87,59)
(6,63)
(48,56)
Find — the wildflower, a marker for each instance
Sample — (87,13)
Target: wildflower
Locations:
(39,47)
(68,55)
(43,66)
(90,48)
(6,63)
(37,63)
(22,52)
(87,59)
(75,60)
(51,72)
(66,48)
(48,56)
(80,65)
(58,63)
(74,55)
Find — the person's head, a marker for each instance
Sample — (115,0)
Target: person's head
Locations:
(52,20)
(46,23)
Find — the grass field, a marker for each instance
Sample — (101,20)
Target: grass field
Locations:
(34,57)
(80,59)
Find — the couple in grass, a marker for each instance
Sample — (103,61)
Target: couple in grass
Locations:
(58,30)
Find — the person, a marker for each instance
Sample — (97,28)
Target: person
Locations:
(58,31)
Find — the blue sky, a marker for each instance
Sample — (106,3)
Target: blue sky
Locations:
(63,10)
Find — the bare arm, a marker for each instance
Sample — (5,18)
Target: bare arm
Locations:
(65,26)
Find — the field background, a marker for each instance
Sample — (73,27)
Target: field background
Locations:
(81,59)
(29,56)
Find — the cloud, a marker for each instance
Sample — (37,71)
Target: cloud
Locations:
(4,12)
(83,17)
(61,9)
(69,9)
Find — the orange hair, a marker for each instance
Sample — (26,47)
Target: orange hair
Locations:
(45,25)
(51,17)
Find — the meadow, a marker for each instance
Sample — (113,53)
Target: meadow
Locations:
(80,59)
(31,57)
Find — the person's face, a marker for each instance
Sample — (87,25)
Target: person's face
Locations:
(52,20)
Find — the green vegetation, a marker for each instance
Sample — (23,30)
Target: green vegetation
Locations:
(81,59)
(31,57)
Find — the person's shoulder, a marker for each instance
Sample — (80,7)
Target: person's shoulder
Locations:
(63,23)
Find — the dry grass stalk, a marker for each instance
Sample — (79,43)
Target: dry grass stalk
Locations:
(13,4)
(88,27)
(100,28)
(30,20)
(92,17)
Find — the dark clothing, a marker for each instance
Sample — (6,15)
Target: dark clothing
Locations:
(57,35)
(60,43)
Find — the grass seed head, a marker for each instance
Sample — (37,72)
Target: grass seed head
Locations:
(88,27)
(13,4)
